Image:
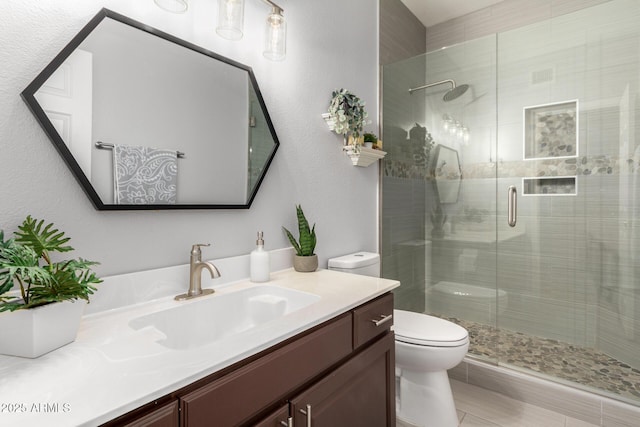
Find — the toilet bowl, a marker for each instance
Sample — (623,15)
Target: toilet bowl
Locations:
(426,347)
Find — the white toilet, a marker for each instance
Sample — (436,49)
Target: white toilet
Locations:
(426,347)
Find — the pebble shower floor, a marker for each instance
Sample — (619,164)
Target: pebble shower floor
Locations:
(585,366)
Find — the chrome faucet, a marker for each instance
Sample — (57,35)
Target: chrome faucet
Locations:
(195,274)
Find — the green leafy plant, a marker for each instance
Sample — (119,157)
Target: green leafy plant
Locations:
(370,137)
(306,244)
(347,113)
(25,261)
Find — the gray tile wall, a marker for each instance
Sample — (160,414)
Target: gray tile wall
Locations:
(500,17)
(579,281)
(573,274)
(402,35)
(403,248)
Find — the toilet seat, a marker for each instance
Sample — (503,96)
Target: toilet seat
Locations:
(425,330)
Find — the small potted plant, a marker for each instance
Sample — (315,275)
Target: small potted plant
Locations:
(372,141)
(305,260)
(42,313)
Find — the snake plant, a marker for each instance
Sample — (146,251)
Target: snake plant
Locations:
(306,244)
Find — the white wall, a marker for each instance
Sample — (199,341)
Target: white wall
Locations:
(331,44)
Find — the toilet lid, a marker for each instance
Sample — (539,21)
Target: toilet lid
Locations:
(422,329)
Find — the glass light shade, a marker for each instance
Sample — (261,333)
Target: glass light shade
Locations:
(446,122)
(230,19)
(275,47)
(173,6)
(453,129)
(465,135)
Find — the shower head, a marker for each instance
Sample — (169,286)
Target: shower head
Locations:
(453,93)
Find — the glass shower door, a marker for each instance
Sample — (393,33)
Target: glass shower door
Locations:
(552,110)
(438,187)
(567,90)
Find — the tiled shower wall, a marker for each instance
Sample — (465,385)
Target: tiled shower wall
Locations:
(501,17)
(572,276)
(403,36)
(570,271)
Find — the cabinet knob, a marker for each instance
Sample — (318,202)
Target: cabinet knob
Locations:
(383,319)
(288,423)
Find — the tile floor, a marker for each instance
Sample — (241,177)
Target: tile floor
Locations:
(478,407)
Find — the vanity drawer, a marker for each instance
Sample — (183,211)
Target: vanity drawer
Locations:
(372,319)
(233,398)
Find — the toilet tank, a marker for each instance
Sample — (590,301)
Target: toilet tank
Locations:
(364,263)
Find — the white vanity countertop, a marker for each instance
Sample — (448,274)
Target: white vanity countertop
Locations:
(111,368)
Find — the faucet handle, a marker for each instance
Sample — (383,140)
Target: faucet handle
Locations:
(195,249)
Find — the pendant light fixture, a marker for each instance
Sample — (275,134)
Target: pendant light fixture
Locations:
(173,6)
(230,19)
(230,26)
(275,37)
(231,23)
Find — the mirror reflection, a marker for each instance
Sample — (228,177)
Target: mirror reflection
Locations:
(147,121)
(446,173)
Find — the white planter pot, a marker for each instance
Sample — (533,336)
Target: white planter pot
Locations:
(34,332)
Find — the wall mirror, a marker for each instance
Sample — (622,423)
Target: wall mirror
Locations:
(148,121)
(446,174)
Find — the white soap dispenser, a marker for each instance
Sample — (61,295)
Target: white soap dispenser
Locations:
(259,262)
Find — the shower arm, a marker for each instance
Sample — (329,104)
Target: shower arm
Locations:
(451,82)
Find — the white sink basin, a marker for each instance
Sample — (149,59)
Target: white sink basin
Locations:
(199,322)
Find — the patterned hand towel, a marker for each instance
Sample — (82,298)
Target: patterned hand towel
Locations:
(144,175)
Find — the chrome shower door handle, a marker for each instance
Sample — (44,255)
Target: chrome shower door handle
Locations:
(512,206)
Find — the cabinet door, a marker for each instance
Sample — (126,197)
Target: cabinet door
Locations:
(360,393)
(166,416)
(279,418)
(241,395)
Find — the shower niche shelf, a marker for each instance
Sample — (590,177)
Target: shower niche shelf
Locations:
(550,186)
(551,130)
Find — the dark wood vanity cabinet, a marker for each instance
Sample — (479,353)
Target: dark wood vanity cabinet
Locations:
(360,393)
(279,418)
(165,416)
(238,396)
(340,373)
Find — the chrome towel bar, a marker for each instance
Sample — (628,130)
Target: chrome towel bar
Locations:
(109,146)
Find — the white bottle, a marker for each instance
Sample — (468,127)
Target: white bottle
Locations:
(259,262)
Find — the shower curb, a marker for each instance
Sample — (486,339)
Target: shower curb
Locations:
(548,394)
